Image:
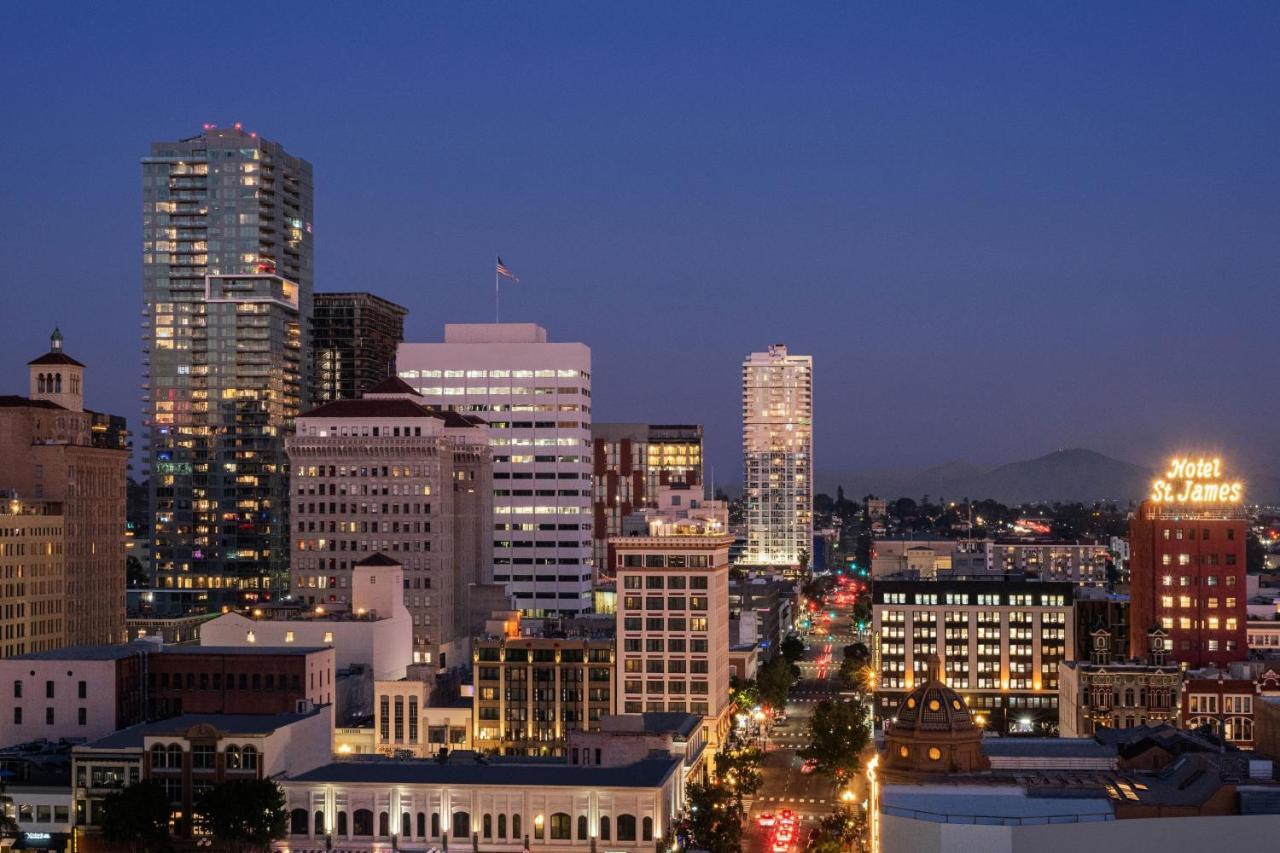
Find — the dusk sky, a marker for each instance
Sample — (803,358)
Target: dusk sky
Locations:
(999,231)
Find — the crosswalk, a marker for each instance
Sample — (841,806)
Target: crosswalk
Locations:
(791,800)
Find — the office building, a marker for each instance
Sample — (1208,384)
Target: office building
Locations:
(1224,699)
(673,622)
(1187,565)
(777,447)
(385,475)
(32,576)
(1098,607)
(213,680)
(630,464)
(408,723)
(532,692)
(370,803)
(1103,691)
(49,452)
(354,339)
(1000,642)
(227,279)
(536,397)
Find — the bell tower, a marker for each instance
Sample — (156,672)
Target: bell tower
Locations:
(57,377)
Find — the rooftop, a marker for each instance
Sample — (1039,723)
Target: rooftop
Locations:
(1047,747)
(116,651)
(55,358)
(994,805)
(13,401)
(232,724)
(463,769)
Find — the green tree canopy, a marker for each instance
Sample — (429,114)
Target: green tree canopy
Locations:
(244,815)
(137,817)
(774,681)
(712,820)
(791,648)
(837,736)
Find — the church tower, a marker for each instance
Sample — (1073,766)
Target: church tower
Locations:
(57,377)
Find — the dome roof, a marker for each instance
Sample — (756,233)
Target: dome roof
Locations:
(933,707)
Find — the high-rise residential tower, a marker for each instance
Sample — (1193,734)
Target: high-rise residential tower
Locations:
(777,448)
(354,338)
(536,396)
(227,277)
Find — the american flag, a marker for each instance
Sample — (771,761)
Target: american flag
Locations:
(506,273)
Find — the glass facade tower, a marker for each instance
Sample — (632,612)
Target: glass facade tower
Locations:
(227,279)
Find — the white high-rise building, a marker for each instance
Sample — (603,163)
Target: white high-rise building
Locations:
(536,398)
(777,447)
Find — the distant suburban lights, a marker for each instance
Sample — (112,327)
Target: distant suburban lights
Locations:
(1195,481)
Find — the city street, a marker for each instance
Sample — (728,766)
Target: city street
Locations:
(809,795)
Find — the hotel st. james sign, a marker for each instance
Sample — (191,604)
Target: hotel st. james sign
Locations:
(1196,481)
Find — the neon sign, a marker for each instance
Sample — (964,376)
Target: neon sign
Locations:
(1196,481)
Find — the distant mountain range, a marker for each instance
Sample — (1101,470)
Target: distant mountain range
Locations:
(1062,476)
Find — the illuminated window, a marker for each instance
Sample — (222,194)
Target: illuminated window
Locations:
(1184,623)
(903,751)
(935,754)
(1166,600)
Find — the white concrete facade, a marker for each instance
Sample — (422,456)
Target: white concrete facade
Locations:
(56,698)
(536,397)
(376,632)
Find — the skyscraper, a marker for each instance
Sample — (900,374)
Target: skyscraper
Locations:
(227,277)
(536,396)
(354,338)
(777,449)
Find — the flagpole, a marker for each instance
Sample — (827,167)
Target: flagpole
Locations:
(497,305)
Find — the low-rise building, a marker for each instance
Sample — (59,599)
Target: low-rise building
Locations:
(375,632)
(1222,699)
(531,692)
(407,724)
(222,680)
(190,754)
(623,739)
(1118,694)
(374,803)
(37,779)
(1263,634)
(761,611)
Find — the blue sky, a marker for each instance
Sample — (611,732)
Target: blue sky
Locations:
(1000,230)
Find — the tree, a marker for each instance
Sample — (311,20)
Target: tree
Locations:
(739,770)
(859,653)
(838,831)
(244,815)
(774,681)
(134,574)
(837,737)
(804,561)
(137,817)
(713,820)
(791,648)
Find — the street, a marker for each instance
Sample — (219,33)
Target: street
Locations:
(809,795)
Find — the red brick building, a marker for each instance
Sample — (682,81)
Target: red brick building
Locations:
(1223,700)
(218,680)
(1187,569)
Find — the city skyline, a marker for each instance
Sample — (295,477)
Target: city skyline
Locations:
(1016,253)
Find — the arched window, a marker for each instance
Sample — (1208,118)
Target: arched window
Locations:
(233,757)
(515,826)
(626,827)
(57,383)
(461,825)
(422,824)
(1128,697)
(158,756)
(342,823)
(298,822)
(406,825)
(175,755)
(384,824)
(249,757)
(486,825)
(317,827)
(646,829)
(561,827)
(40,383)
(435,824)
(502,826)
(604,829)
(582,827)
(362,822)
